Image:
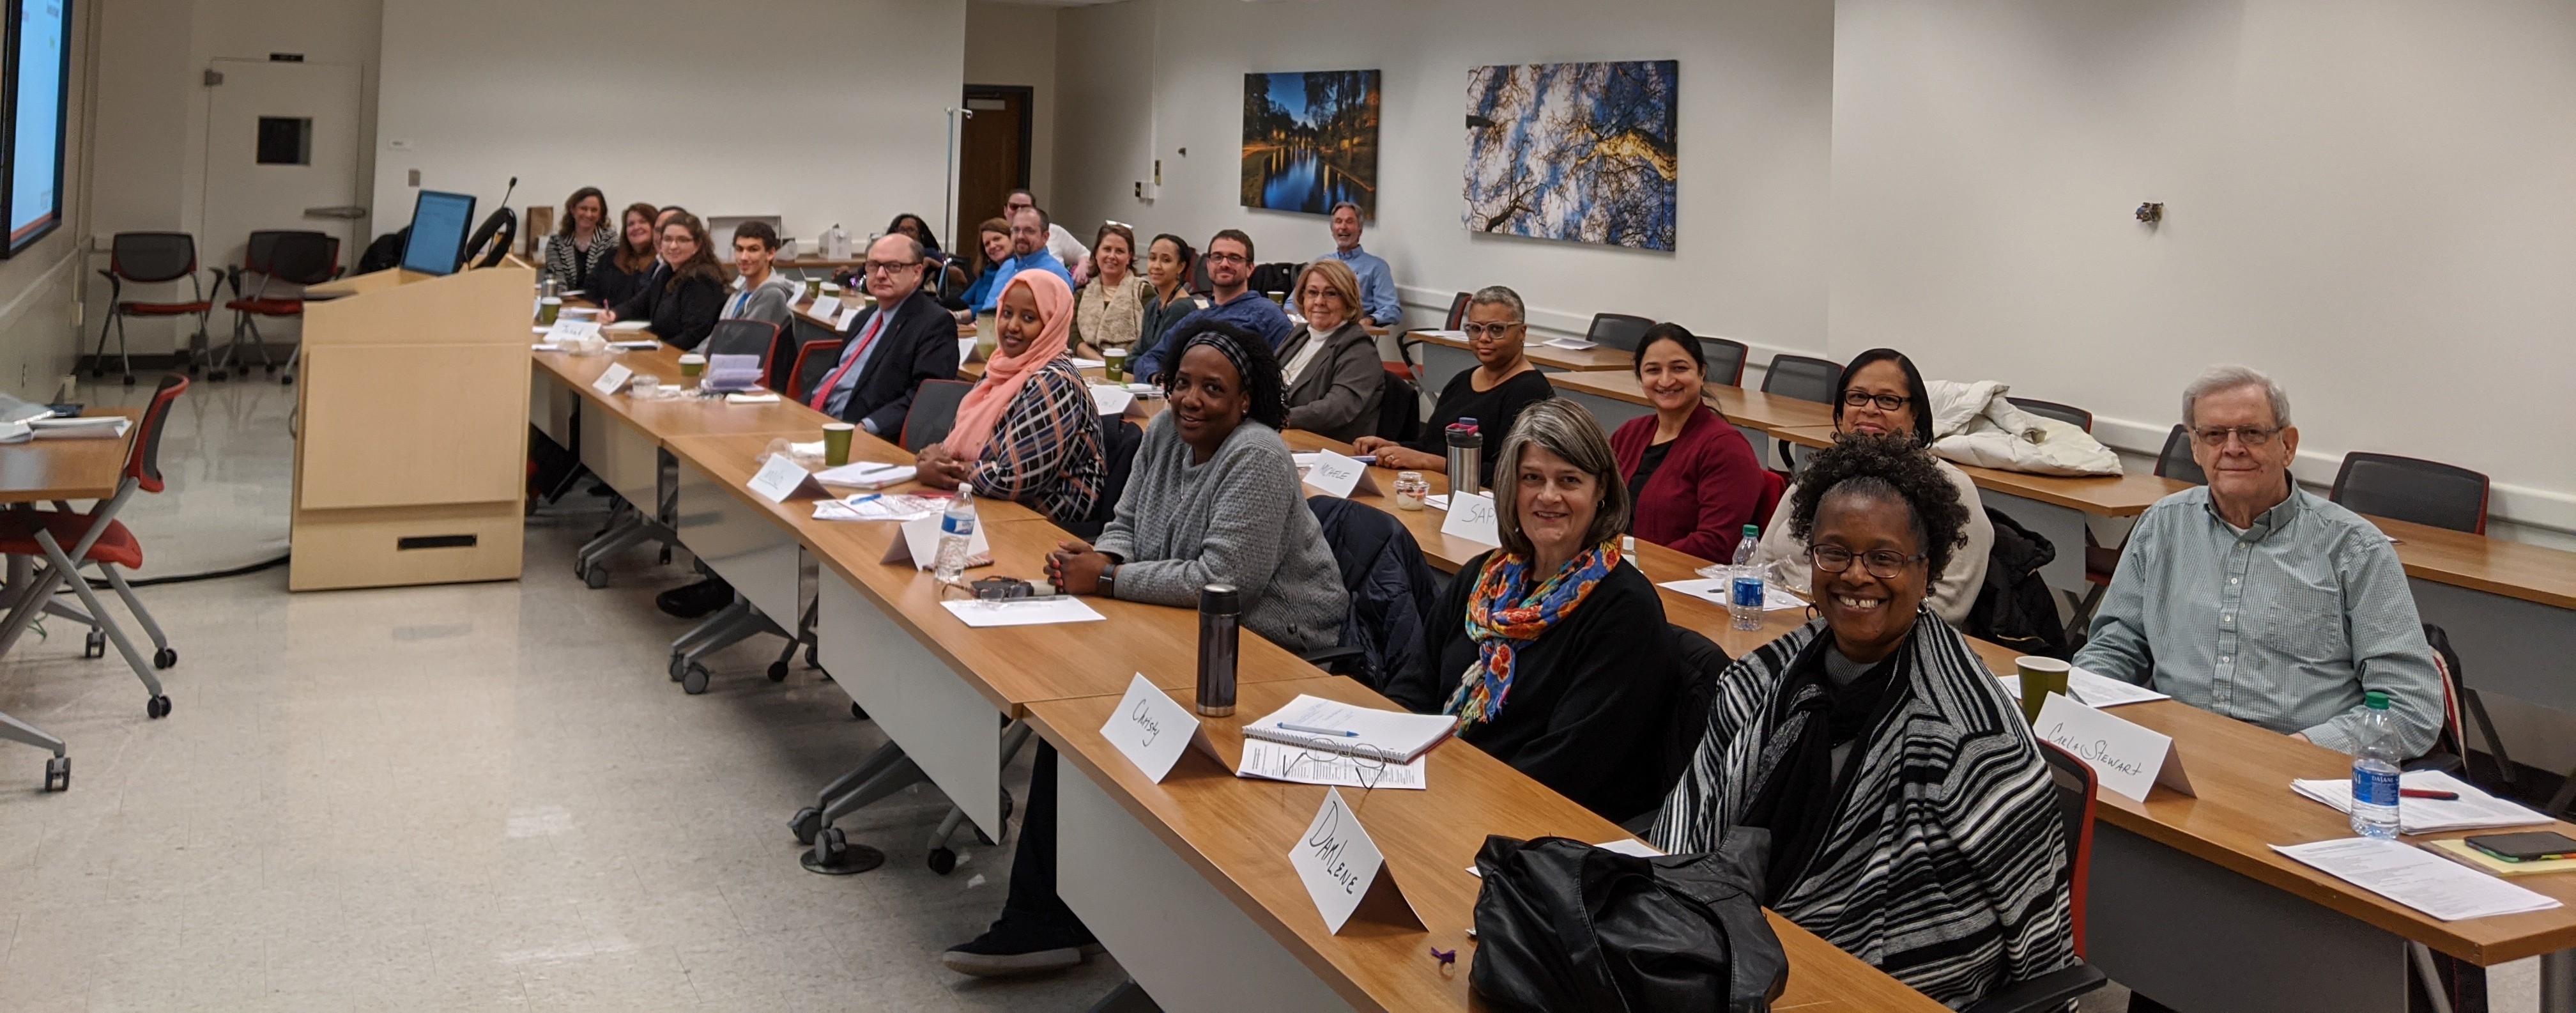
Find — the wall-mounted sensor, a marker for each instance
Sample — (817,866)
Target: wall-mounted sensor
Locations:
(2151,212)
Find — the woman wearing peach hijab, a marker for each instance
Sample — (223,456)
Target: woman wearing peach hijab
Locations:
(1029,431)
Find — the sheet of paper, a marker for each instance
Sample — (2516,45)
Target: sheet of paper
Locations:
(1022,612)
(640,345)
(2473,810)
(874,507)
(1278,761)
(612,380)
(1437,501)
(1151,728)
(1714,591)
(1083,363)
(627,326)
(1569,344)
(1112,400)
(1473,521)
(2093,690)
(1460,335)
(826,308)
(2416,878)
(754,397)
(860,474)
(2129,758)
(848,313)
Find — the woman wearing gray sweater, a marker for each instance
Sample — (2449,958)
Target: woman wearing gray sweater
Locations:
(1204,504)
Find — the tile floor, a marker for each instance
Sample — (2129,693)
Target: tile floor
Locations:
(459,797)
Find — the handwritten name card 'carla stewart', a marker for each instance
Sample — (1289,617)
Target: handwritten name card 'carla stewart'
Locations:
(1343,870)
(2127,757)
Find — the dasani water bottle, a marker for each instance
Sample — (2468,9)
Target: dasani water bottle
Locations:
(956,536)
(1744,594)
(2374,770)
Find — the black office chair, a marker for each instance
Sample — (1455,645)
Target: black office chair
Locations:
(2066,413)
(1725,360)
(277,257)
(1399,411)
(1458,311)
(2175,461)
(1119,439)
(745,337)
(1617,330)
(1804,378)
(150,258)
(2077,792)
(2412,489)
(933,412)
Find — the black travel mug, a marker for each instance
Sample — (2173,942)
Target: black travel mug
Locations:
(1220,634)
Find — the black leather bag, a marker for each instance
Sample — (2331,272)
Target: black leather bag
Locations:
(1562,925)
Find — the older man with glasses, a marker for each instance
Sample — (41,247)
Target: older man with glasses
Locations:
(2256,599)
(893,346)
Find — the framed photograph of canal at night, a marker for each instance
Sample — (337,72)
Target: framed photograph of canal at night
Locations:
(1574,151)
(1310,141)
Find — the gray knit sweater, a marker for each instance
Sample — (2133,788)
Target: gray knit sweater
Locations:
(1238,519)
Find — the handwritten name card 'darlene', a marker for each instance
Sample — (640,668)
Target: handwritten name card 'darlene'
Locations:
(2127,757)
(1344,872)
(1153,729)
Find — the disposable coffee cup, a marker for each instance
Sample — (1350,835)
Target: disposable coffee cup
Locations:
(2039,678)
(692,364)
(836,443)
(1115,364)
(548,309)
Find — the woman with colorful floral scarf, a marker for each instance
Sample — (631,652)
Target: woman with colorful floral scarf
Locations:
(1551,649)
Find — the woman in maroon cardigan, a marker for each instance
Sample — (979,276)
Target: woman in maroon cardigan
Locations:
(1695,481)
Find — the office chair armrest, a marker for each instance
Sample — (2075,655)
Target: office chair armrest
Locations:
(2049,991)
(2444,762)
(1337,660)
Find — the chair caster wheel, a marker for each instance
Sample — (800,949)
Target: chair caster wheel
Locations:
(834,855)
(679,665)
(694,681)
(778,671)
(159,707)
(286,381)
(95,645)
(857,713)
(58,773)
(807,823)
(943,861)
(216,375)
(129,379)
(595,577)
(809,657)
(983,838)
(165,657)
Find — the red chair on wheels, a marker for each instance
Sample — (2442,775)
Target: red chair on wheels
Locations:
(276,257)
(97,538)
(149,258)
(814,360)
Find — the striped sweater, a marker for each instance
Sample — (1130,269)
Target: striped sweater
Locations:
(1946,863)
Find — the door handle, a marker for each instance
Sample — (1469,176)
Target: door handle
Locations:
(351,212)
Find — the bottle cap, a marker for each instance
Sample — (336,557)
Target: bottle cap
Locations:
(2375,700)
(1221,598)
(1753,531)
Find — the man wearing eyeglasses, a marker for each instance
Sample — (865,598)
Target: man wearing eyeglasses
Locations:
(1028,253)
(2256,599)
(1067,250)
(904,339)
(1229,269)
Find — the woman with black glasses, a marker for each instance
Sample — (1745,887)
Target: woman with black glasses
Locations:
(1881,393)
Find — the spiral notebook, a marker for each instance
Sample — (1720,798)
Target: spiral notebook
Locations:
(1313,722)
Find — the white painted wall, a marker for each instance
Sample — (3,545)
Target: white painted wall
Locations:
(823,111)
(1015,44)
(1150,78)
(2374,200)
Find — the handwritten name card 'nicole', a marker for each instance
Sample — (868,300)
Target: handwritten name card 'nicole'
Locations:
(1338,476)
(1153,729)
(1343,870)
(2128,758)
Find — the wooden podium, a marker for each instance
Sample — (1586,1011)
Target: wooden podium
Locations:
(412,429)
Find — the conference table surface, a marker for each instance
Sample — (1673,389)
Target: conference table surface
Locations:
(2466,559)
(41,470)
(1584,360)
(1237,833)
(1750,408)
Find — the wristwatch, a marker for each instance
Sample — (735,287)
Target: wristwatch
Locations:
(1109,581)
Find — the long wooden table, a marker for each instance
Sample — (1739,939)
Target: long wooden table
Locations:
(42,471)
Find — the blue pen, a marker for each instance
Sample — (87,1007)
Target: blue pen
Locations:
(1285,726)
(1366,458)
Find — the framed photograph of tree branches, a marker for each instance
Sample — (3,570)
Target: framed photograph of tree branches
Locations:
(1574,151)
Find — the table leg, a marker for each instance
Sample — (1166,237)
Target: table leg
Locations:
(2558,982)
(942,723)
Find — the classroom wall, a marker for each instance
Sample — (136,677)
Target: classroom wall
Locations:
(1149,79)
(1016,44)
(2373,200)
(823,111)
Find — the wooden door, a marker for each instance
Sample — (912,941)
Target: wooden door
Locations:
(993,159)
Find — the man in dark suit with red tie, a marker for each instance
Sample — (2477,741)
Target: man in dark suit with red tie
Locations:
(904,339)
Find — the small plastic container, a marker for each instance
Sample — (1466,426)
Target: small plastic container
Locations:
(1410,488)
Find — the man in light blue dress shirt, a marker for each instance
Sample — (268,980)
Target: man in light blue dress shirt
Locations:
(2253,598)
(1028,253)
(1377,281)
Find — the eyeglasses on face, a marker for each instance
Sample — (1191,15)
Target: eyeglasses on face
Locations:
(890,266)
(2251,436)
(1228,258)
(1885,402)
(1489,330)
(1884,564)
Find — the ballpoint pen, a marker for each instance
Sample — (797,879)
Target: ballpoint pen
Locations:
(1311,730)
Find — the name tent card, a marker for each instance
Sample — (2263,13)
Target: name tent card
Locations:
(1472,518)
(612,380)
(1338,476)
(1153,729)
(780,477)
(965,349)
(1344,872)
(848,313)
(825,308)
(919,545)
(2127,757)
(567,329)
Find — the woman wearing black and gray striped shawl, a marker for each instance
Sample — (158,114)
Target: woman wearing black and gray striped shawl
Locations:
(1912,818)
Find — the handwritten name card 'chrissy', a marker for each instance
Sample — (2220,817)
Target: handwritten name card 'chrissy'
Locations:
(1344,872)
(1153,729)
(2128,758)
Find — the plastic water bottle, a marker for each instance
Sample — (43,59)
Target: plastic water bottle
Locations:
(2374,771)
(1744,596)
(956,536)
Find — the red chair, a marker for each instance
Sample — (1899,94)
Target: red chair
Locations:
(289,258)
(806,371)
(149,258)
(99,539)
